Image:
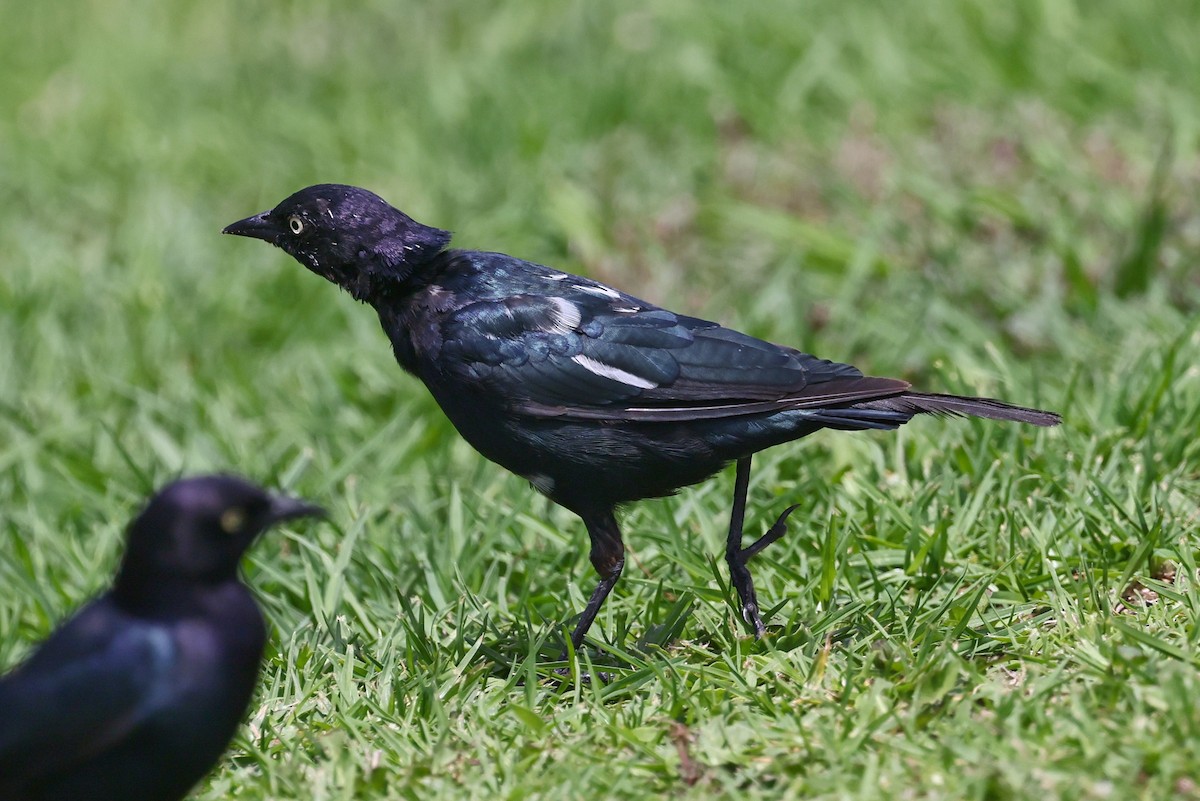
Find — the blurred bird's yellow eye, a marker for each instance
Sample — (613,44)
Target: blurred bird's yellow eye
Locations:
(232,520)
(296,224)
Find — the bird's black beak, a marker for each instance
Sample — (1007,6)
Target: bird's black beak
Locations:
(257,227)
(285,508)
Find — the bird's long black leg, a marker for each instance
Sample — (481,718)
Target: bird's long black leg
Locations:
(737,556)
(738,573)
(608,557)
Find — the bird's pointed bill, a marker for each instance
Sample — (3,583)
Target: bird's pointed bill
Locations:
(257,227)
(286,508)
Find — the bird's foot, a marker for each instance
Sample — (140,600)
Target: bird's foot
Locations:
(753,617)
(564,675)
(740,574)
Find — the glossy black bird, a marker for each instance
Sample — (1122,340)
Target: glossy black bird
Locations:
(593,395)
(138,694)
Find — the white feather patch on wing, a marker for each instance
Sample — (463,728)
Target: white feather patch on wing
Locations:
(615,373)
(595,289)
(566,316)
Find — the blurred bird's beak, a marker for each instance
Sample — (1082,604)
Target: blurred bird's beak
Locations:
(257,227)
(285,508)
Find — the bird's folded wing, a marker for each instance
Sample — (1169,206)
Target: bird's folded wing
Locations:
(79,695)
(584,354)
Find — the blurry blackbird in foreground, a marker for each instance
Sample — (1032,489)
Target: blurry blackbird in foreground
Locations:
(596,397)
(137,695)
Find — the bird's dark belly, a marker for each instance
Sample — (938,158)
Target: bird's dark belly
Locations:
(585,465)
(579,465)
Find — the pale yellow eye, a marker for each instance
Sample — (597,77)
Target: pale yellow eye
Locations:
(296,224)
(233,520)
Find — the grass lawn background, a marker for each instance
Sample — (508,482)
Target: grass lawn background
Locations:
(979,197)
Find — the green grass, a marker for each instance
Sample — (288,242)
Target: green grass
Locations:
(980,197)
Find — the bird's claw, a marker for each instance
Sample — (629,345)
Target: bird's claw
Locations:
(753,618)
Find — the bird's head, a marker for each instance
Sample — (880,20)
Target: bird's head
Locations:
(347,235)
(194,531)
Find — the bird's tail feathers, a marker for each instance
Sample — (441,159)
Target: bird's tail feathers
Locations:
(914,403)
